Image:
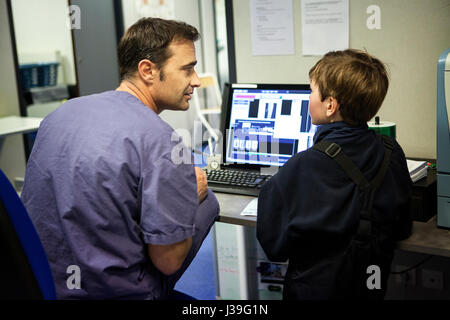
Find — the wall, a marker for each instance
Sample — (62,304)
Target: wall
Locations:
(413,34)
(12,155)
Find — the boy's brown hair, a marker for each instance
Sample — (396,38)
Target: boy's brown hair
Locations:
(357,80)
(149,38)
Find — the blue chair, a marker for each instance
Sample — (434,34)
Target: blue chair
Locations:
(24,269)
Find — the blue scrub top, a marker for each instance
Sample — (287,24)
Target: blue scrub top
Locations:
(100,184)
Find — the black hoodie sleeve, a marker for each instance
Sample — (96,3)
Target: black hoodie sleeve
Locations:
(272,222)
(403,223)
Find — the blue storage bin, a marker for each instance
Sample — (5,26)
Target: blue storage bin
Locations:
(38,74)
(48,74)
(29,75)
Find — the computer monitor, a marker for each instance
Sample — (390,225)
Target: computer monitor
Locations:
(265,124)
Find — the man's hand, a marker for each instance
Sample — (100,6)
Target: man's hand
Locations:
(202,184)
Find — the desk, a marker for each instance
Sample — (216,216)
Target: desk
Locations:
(231,206)
(426,237)
(18,125)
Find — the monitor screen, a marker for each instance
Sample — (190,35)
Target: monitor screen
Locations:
(267,125)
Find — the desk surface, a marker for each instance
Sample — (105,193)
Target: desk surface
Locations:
(426,237)
(14,125)
(231,206)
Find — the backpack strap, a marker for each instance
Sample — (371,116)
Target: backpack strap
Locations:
(334,151)
(367,189)
(388,147)
(378,179)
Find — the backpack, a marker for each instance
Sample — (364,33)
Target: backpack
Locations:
(370,246)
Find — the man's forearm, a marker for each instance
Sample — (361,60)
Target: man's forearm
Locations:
(169,258)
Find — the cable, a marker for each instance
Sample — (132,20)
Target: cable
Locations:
(413,267)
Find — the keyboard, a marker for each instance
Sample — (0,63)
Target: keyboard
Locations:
(236,181)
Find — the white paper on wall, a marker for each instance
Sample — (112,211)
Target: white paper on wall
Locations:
(272,27)
(325,26)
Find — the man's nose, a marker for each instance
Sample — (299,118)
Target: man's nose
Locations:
(195,82)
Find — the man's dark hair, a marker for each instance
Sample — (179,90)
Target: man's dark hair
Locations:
(149,38)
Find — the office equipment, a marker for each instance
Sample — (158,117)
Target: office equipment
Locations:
(443,140)
(263,126)
(247,182)
(423,198)
(24,271)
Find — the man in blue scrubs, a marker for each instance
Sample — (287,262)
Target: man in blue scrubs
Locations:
(119,215)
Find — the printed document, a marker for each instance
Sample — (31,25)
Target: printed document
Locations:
(251,209)
(325,26)
(272,27)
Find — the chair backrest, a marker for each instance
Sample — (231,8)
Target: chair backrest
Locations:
(24,269)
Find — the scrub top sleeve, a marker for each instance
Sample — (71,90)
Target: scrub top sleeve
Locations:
(272,224)
(169,202)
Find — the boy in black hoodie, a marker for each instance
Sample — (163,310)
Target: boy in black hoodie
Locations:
(312,211)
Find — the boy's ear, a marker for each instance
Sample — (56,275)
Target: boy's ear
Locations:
(332,106)
(147,70)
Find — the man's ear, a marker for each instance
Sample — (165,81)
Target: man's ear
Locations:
(147,70)
(332,106)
